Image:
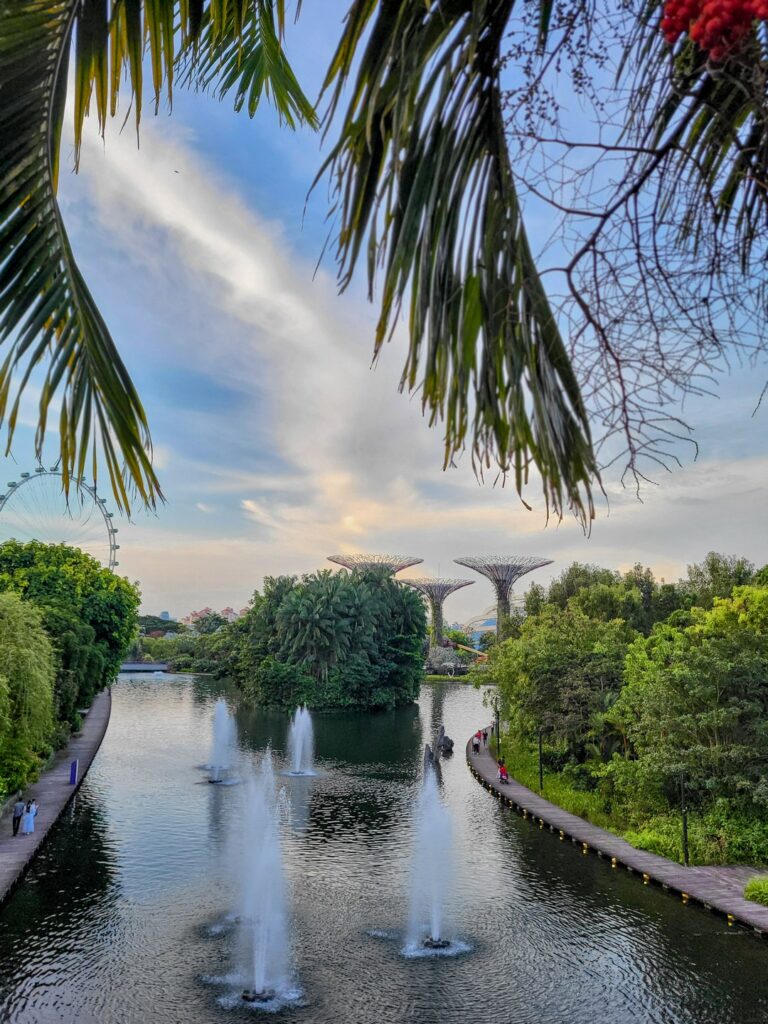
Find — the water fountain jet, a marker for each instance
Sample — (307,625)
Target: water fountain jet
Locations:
(224,742)
(301,743)
(263,911)
(431,868)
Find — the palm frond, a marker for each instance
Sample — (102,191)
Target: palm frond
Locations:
(423,184)
(246,55)
(48,317)
(712,116)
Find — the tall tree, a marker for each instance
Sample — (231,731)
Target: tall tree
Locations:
(26,689)
(696,700)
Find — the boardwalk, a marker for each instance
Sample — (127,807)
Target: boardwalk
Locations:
(716,888)
(52,792)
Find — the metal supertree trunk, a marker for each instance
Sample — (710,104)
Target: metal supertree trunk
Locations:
(393,563)
(503,571)
(436,591)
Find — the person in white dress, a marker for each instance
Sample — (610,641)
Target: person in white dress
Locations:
(28,821)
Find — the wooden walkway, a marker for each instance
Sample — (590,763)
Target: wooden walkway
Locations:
(52,792)
(716,888)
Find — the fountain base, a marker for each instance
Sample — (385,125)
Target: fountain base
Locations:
(251,996)
(431,943)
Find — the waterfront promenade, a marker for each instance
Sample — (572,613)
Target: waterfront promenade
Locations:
(52,792)
(715,888)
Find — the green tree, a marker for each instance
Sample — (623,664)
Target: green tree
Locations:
(152,623)
(716,576)
(696,700)
(575,578)
(27,721)
(562,675)
(80,660)
(331,640)
(65,578)
(209,623)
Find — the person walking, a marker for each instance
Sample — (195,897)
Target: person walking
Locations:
(485,737)
(28,823)
(475,745)
(18,813)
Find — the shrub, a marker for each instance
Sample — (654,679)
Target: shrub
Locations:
(756,890)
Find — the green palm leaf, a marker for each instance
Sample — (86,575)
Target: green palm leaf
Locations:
(49,322)
(423,184)
(47,315)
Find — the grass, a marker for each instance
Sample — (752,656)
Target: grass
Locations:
(523,765)
(713,837)
(756,890)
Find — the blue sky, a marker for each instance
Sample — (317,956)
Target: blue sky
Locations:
(276,442)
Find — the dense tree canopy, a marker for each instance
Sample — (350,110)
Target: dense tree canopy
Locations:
(636,685)
(27,709)
(90,614)
(335,640)
(325,640)
(152,623)
(696,700)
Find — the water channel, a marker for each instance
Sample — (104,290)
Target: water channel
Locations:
(123,917)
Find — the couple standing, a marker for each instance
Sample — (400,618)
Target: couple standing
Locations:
(24,814)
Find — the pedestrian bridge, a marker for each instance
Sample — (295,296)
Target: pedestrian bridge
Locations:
(144,666)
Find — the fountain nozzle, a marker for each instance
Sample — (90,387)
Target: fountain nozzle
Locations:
(251,996)
(430,943)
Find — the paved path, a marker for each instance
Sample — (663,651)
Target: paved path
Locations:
(716,888)
(53,792)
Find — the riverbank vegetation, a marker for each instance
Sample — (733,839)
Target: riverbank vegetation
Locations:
(327,640)
(639,688)
(65,623)
(756,890)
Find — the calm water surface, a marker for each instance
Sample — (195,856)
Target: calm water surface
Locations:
(118,920)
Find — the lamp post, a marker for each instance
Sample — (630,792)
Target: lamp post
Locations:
(684,814)
(541,763)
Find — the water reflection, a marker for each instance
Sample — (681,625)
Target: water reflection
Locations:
(75,904)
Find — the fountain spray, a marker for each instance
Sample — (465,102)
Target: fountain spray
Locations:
(264,905)
(301,743)
(431,868)
(224,741)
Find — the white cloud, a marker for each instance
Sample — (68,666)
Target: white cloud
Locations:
(359,468)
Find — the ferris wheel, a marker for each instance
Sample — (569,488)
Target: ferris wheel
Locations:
(35,507)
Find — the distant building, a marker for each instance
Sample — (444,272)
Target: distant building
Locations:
(229,614)
(166,616)
(191,619)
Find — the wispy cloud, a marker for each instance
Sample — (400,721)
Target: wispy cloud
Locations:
(349,463)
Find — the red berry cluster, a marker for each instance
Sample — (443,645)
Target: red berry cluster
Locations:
(717,26)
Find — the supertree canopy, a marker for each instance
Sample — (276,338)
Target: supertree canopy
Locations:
(503,571)
(392,563)
(436,591)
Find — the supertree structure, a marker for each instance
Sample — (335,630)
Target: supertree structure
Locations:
(503,571)
(436,591)
(392,563)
